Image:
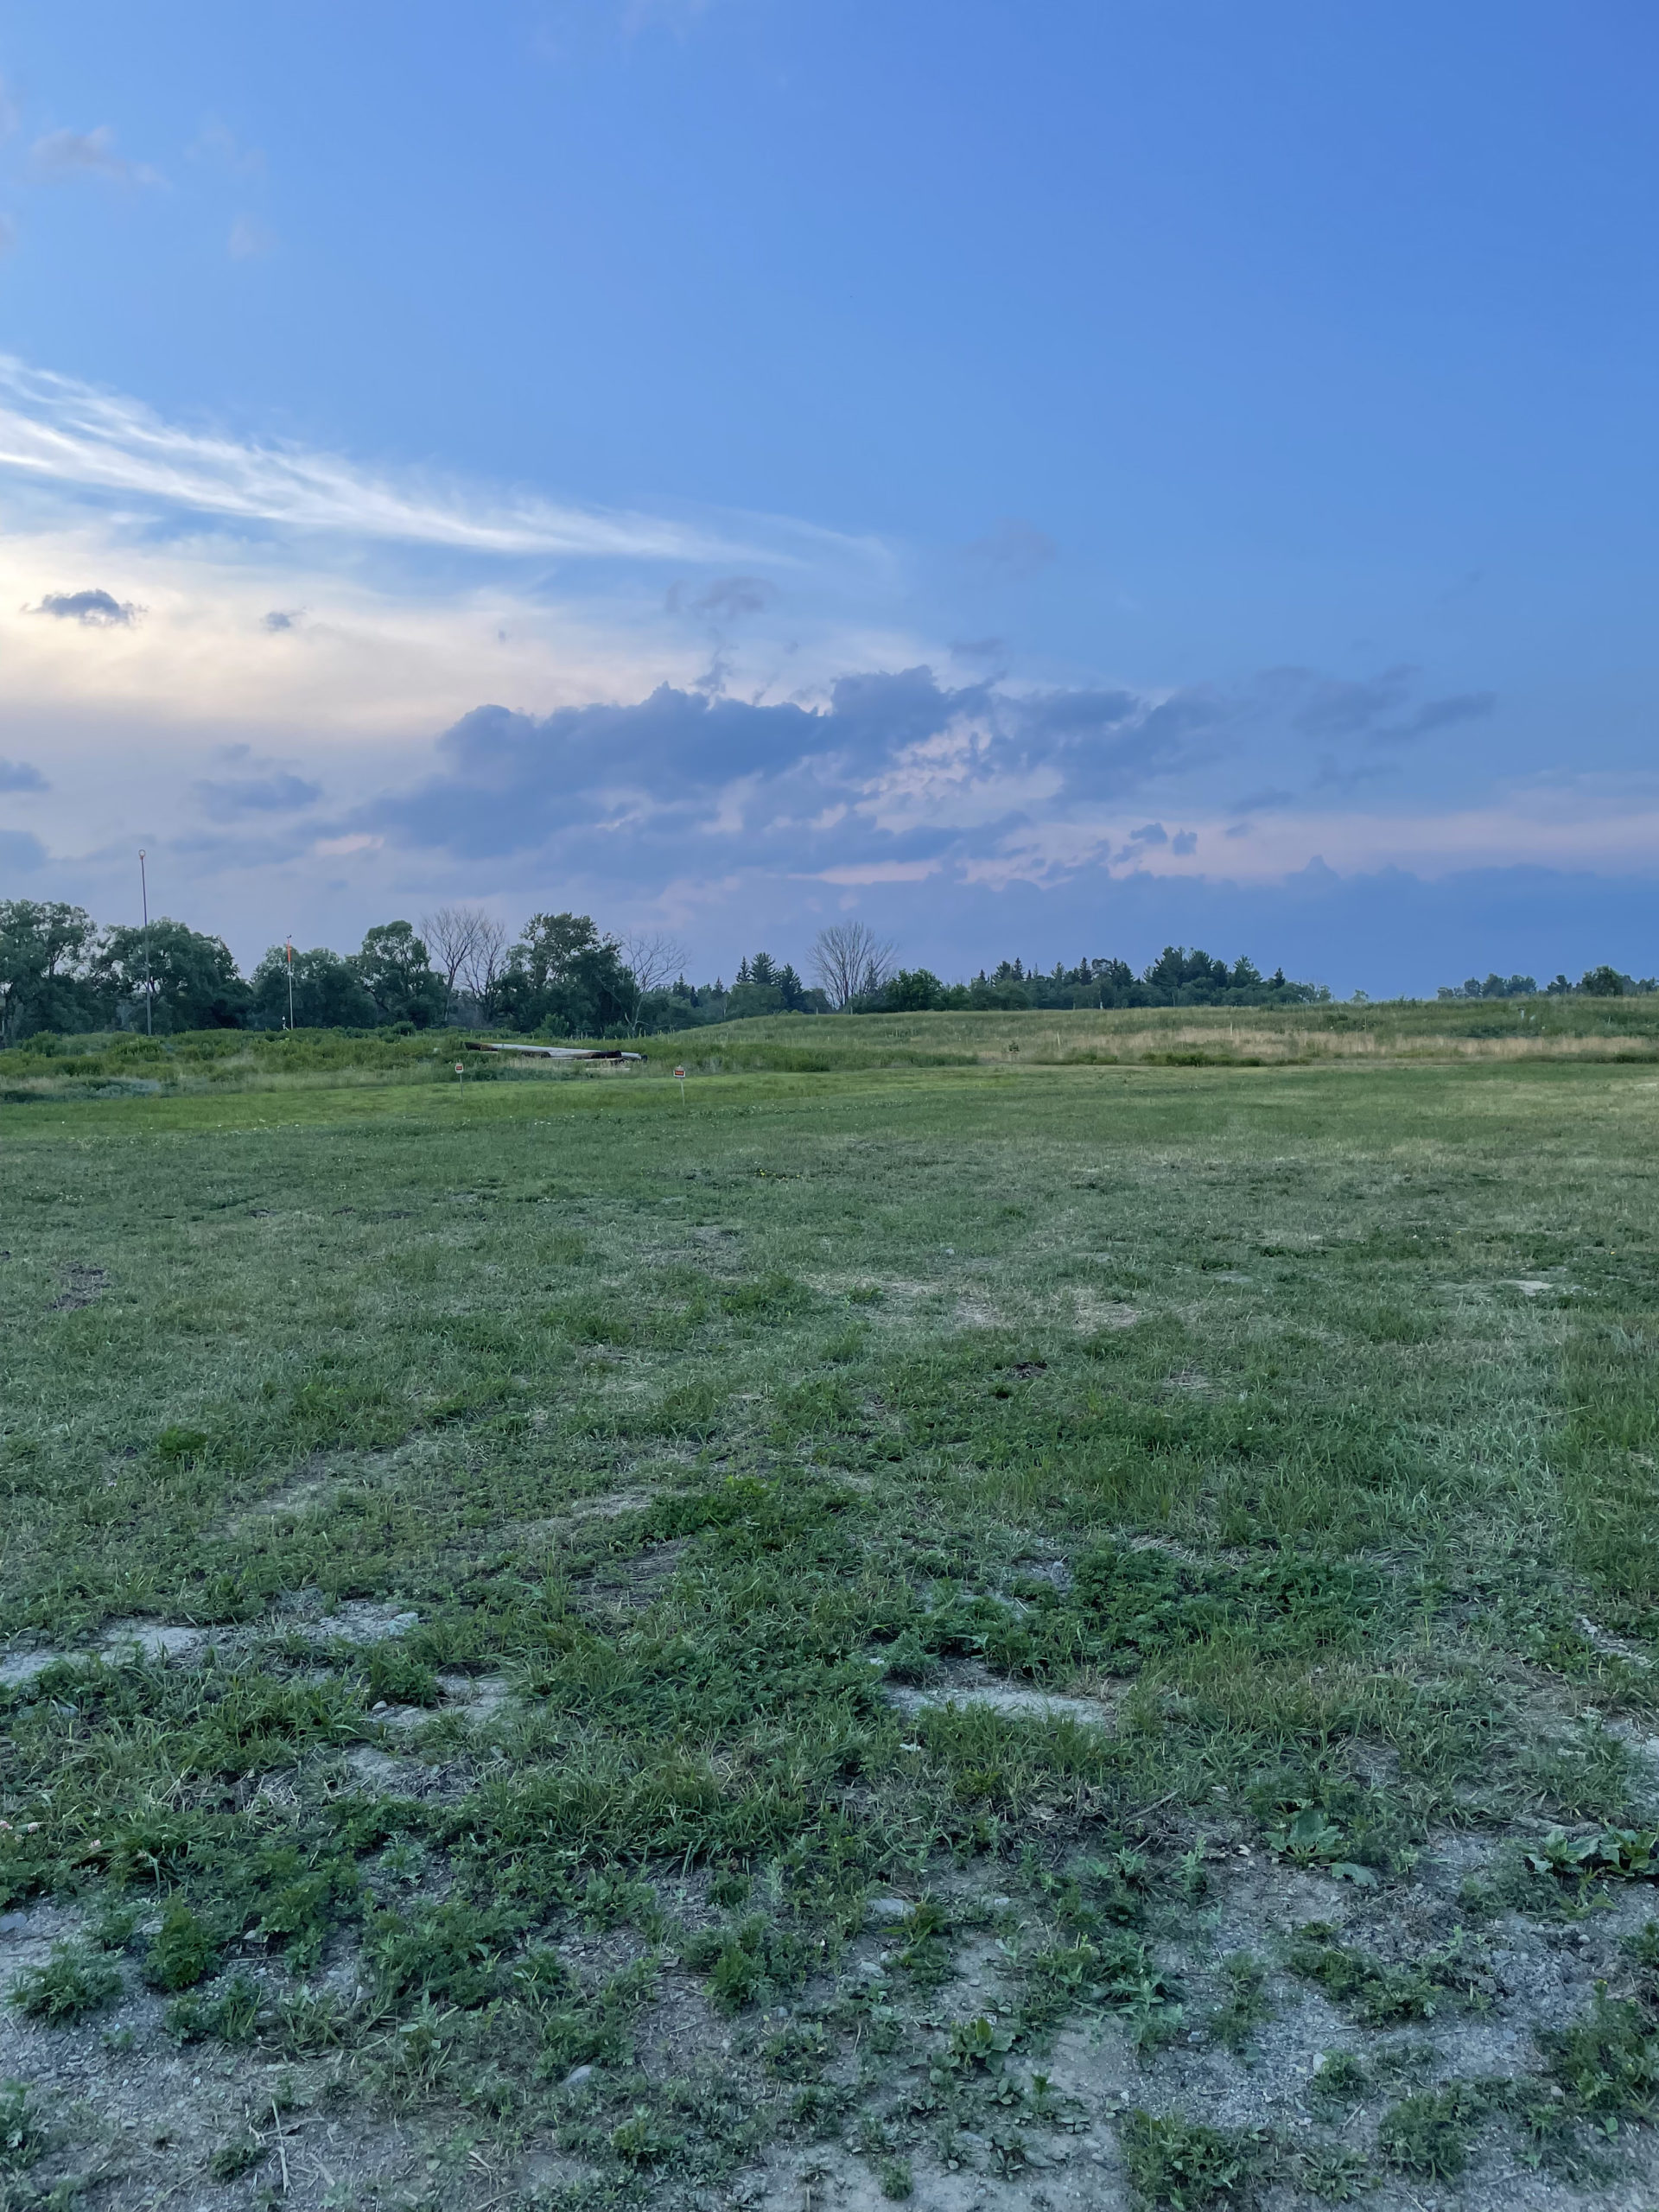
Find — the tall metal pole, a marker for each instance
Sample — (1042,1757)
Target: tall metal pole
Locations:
(144,885)
(291,984)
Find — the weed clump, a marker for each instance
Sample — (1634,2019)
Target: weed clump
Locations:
(231,2017)
(72,1982)
(1384,1996)
(1245,2006)
(452,1951)
(183,1952)
(747,1961)
(1180,2166)
(1430,2133)
(23,2134)
(1607,2063)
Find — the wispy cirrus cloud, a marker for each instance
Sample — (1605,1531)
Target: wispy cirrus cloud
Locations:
(59,431)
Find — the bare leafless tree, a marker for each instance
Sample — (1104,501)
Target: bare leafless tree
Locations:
(486,957)
(651,957)
(448,937)
(850,961)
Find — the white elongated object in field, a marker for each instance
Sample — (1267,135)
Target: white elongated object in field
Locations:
(557,1051)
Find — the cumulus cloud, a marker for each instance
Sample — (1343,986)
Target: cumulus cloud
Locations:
(21,776)
(94,610)
(278,619)
(277,794)
(61,156)
(890,776)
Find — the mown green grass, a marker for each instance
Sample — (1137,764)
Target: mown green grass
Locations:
(706,1422)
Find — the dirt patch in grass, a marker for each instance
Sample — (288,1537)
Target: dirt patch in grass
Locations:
(970,1693)
(83,1286)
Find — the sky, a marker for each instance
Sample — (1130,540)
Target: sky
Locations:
(1049,482)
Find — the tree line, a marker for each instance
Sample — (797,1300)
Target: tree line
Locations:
(563,975)
(1603,982)
(60,972)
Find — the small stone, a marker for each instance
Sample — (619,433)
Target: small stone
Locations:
(13,1923)
(889,1909)
(380,1706)
(578,2077)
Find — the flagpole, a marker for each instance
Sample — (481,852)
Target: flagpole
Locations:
(144,885)
(291,984)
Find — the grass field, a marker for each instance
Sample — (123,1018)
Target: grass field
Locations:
(72,1069)
(1069,1635)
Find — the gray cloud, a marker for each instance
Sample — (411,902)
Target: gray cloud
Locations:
(1014,548)
(97,610)
(1375,709)
(1440,714)
(805,785)
(1341,776)
(21,776)
(978,648)
(893,768)
(725,599)
(277,620)
(277,794)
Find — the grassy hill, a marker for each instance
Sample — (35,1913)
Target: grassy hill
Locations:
(207,1060)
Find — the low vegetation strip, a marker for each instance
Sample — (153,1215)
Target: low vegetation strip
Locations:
(1076,1639)
(77,1068)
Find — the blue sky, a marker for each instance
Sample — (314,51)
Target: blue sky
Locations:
(1049,481)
